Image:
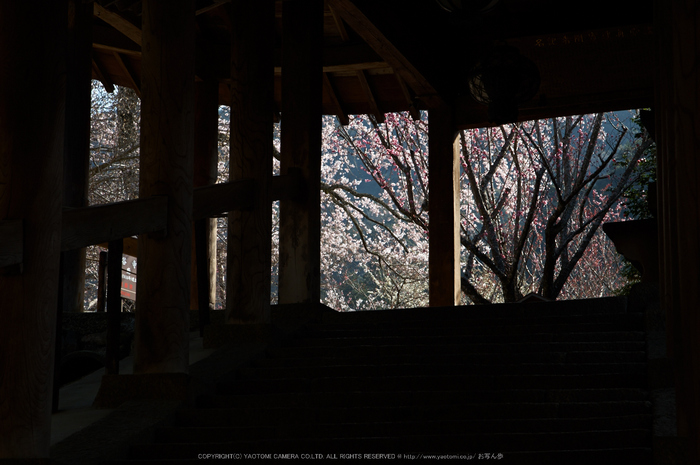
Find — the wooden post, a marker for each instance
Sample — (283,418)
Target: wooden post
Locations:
(114,305)
(102,282)
(443,208)
(206,157)
(302,89)
(167,134)
(32,114)
(678,126)
(249,232)
(77,141)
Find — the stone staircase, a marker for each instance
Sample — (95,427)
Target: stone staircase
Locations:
(559,383)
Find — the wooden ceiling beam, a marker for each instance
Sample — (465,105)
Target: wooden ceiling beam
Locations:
(214,4)
(119,23)
(352,15)
(119,50)
(134,85)
(340,112)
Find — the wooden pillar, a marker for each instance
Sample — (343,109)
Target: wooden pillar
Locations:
(678,103)
(206,157)
(300,219)
(167,135)
(32,113)
(76,157)
(249,232)
(443,208)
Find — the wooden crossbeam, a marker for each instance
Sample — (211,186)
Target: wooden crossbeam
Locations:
(119,23)
(11,245)
(102,76)
(129,76)
(214,4)
(216,199)
(340,112)
(87,226)
(374,107)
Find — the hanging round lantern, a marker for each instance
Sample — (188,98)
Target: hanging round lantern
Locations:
(503,80)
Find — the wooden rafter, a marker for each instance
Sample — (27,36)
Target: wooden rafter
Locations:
(415,113)
(340,112)
(129,76)
(119,23)
(374,107)
(388,51)
(214,4)
(102,76)
(340,25)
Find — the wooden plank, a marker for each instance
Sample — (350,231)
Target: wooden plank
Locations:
(252,101)
(444,259)
(76,156)
(32,116)
(11,246)
(302,90)
(119,23)
(103,223)
(399,63)
(167,146)
(120,50)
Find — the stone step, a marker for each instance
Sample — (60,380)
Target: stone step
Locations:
(377,370)
(255,416)
(590,308)
(399,398)
(441,444)
(326,349)
(470,334)
(585,322)
(323,358)
(184,434)
(466,382)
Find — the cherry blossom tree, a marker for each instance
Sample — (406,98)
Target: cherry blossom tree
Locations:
(533,198)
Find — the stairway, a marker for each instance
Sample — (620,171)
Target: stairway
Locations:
(559,383)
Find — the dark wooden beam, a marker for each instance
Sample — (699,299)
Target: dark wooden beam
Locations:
(102,76)
(87,226)
(32,116)
(252,95)
(11,246)
(128,73)
(339,24)
(443,208)
(339,111)
(119,23)
(76,156)
(167,147)
(302,90)
(414,112)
